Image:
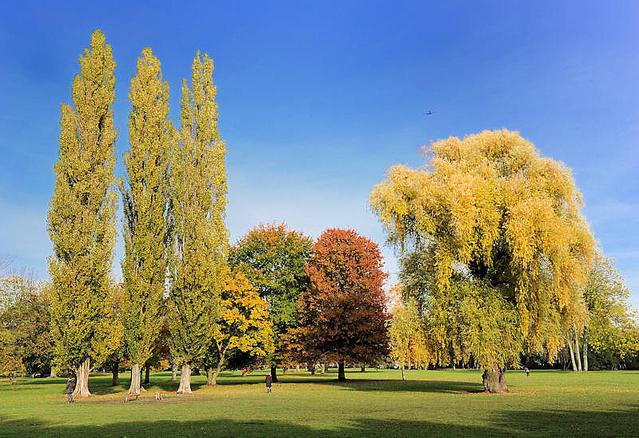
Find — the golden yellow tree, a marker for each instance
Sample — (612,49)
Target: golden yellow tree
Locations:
(198,188)
(407,337)
(82,213)
(505,242)
(244,325)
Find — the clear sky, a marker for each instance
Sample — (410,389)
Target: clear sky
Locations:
(318,98)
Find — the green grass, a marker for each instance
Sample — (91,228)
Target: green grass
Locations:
(374,403)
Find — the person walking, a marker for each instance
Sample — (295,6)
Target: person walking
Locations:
(527,371)
(269,383)
(69,389)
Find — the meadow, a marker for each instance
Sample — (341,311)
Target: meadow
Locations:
(373,403)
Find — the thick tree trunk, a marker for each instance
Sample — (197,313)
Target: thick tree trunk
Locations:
(323,368)
(274,374)
(173,373)
(53,374)
(297,368)
(403,373)
(572,356)
(134,388)
(115,371)
(185,380)
(495,380)
(82,380)
(363,368)
(147,374)
(341,374)
(584,349)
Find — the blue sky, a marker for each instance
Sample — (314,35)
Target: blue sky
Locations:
(318,99)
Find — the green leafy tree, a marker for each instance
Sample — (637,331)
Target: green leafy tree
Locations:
(612,331)
(198,190)
(82,213)
(146,232)
(26,344)
(243,326)
(504,242)
(274,260)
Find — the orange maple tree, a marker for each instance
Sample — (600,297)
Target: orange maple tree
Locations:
(343,310)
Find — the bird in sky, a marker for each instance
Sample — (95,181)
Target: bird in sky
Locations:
(429,113)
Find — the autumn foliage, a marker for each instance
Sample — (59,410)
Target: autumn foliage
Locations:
(343,309)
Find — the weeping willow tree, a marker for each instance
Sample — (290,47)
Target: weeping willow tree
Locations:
(495,247)
(198,188)
(82,216)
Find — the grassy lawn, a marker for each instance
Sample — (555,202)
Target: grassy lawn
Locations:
(374,403)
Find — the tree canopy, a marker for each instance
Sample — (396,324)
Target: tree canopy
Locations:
(343,309)
(82,212)
(502,230)
(274,260)
(146,231)
(198,190)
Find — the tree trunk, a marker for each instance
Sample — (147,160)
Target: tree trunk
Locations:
(115,371)
(323,368)
(274,374)
(572,356)
(134,388)
(403,373)
(185,380)
(53,374)
(173,373)
(147,374)
(211,376)
(297,368)
(363,368)
(495,380)
(577,354)
(82,380)
(341,375)
(584,349)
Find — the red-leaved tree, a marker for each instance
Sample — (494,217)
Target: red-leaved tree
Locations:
(343,313)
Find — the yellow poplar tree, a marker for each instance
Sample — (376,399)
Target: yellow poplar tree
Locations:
(507,246)
(244,324)
(81,215)
(198,200)
(146,234)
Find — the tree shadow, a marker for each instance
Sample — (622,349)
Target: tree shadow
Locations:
(533,423)
(426,386)
(231,428)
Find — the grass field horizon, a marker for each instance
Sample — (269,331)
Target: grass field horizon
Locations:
(439,402)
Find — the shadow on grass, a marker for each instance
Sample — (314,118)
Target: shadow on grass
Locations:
(101,385)
(508,423)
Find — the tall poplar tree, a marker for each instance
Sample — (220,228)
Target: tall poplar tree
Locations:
(145,199)
(81,214)
(198,200)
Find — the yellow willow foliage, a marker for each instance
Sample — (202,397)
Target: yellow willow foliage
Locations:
(198,191)
(146,231)
(81,215)
(407,338)
(491,207)
(244,322)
